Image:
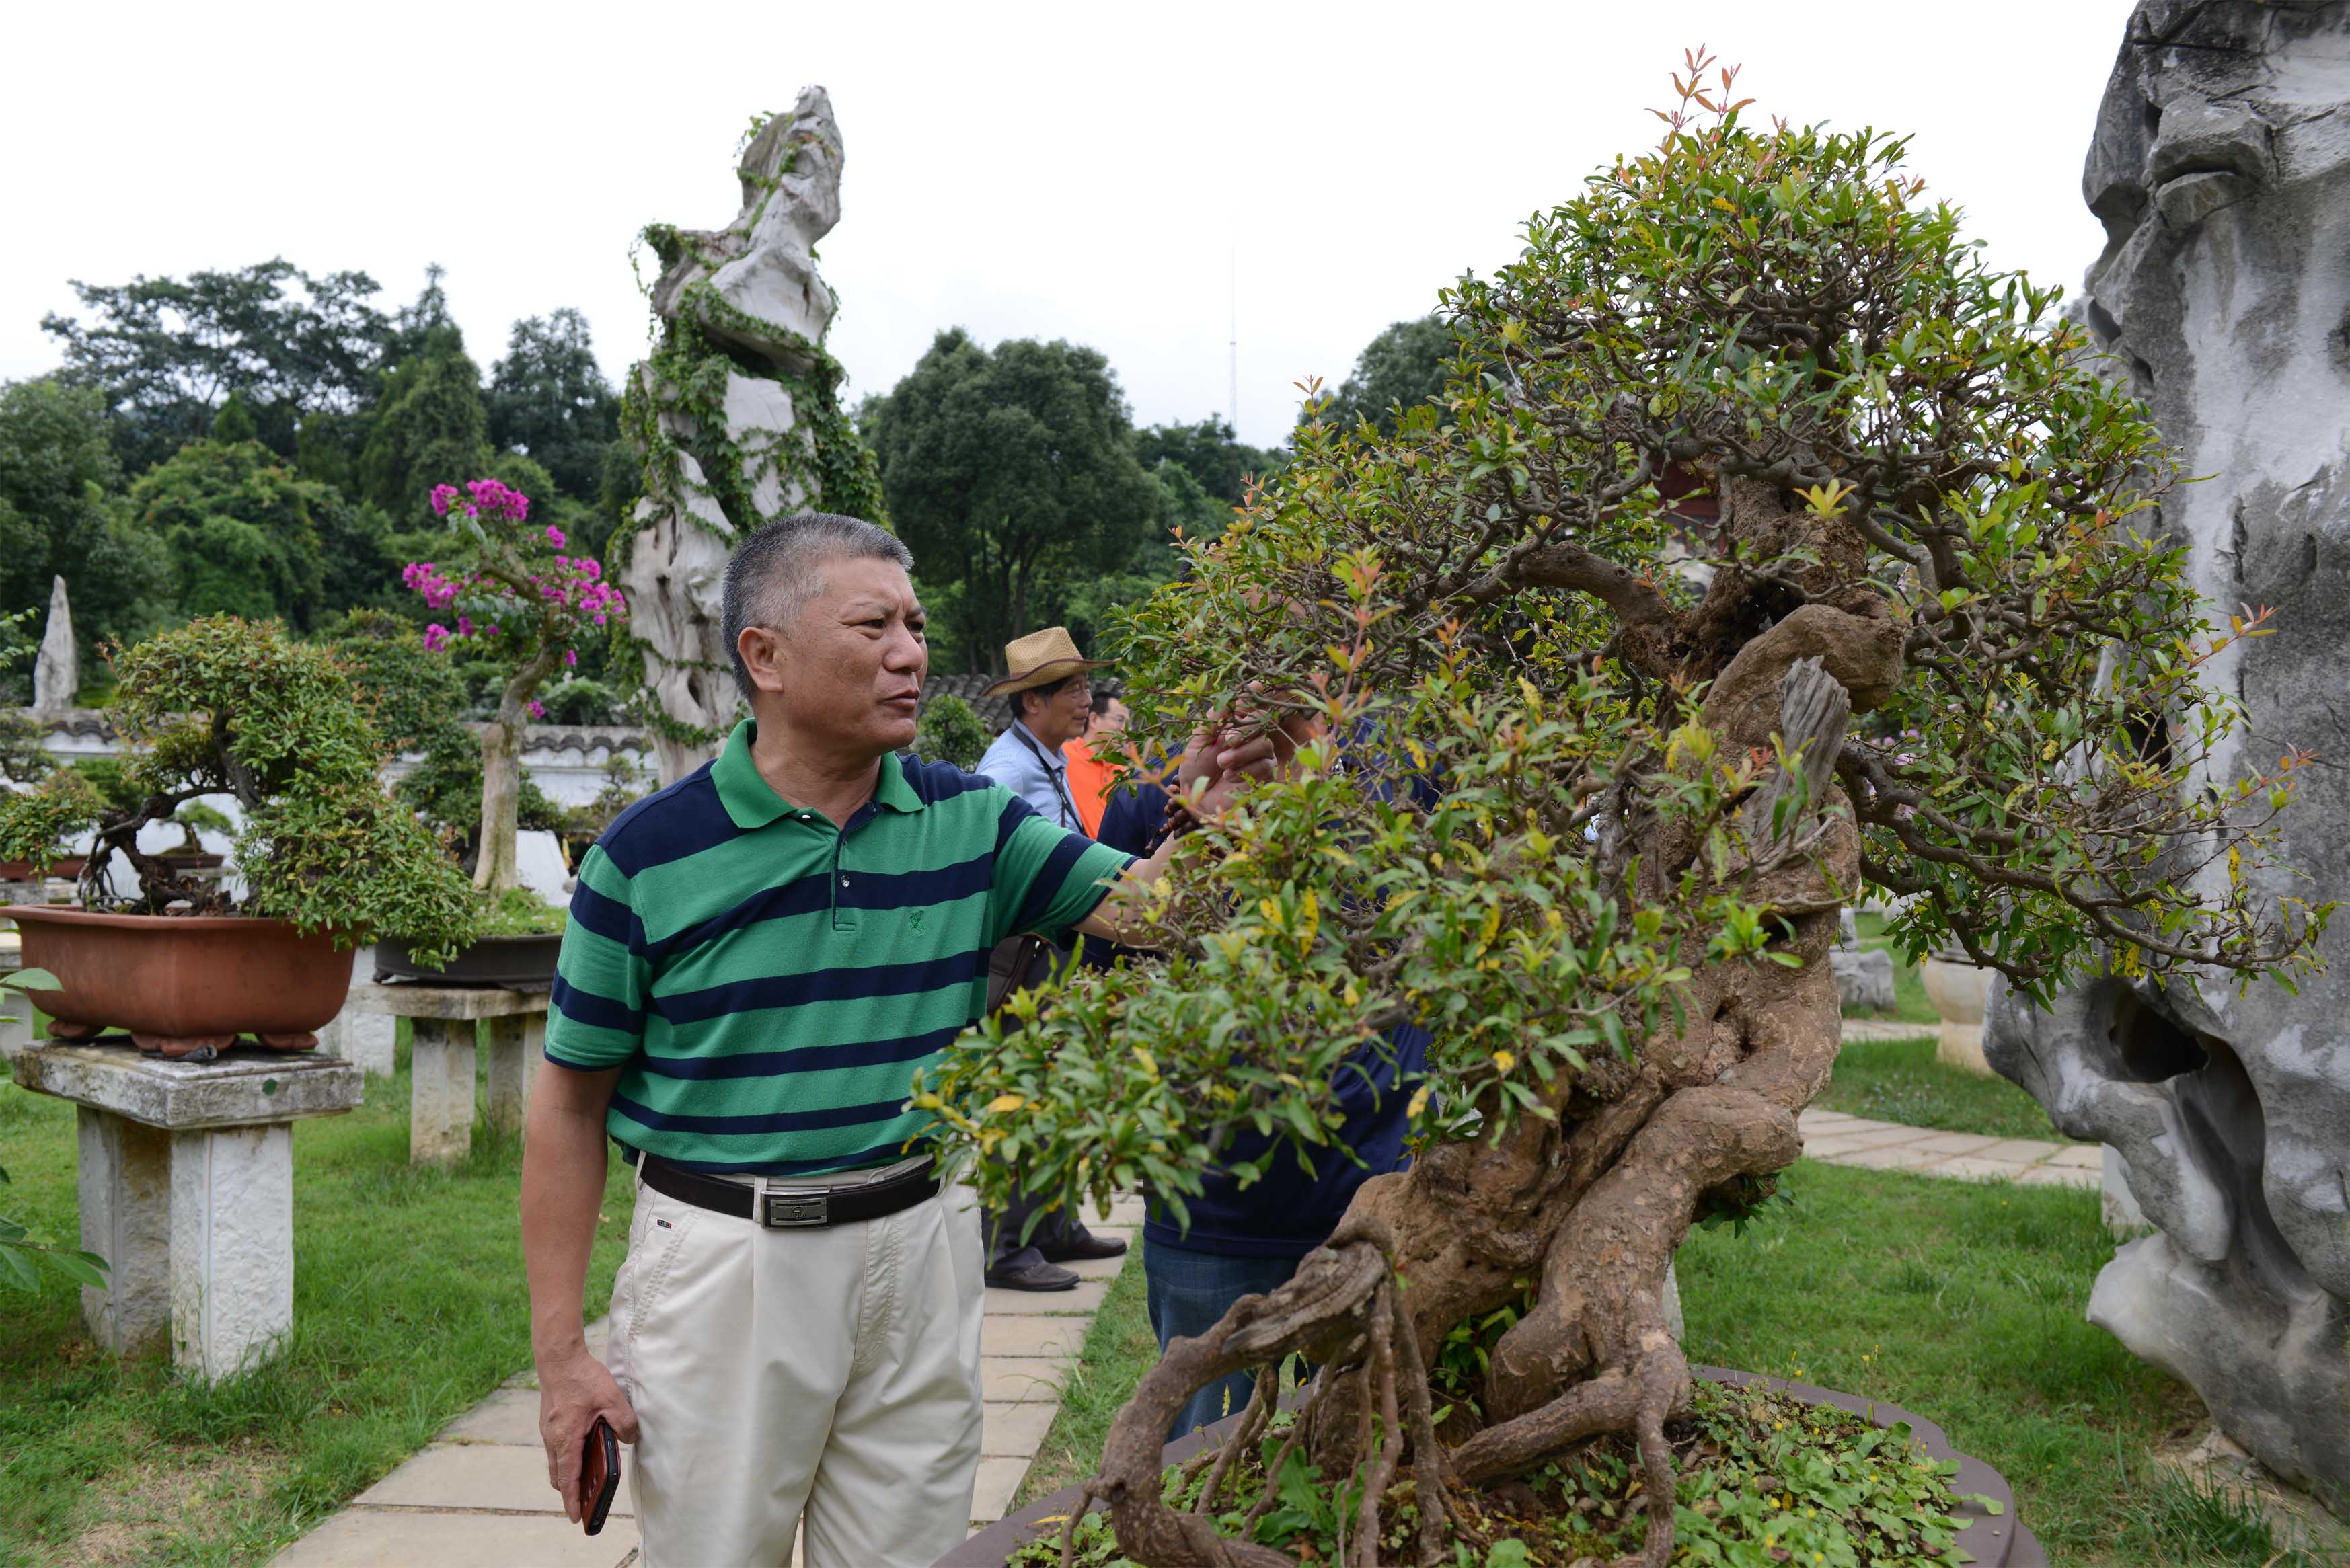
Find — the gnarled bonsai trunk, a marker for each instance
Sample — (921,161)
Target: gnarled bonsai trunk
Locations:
(1594,1204)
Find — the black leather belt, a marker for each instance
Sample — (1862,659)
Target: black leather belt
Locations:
(790,1209)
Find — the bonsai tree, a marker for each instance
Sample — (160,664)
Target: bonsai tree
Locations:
(523,603)
(950,731)
(1589,816)
(225,706)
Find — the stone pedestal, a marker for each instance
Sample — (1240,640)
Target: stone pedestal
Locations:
(364,1037)
(441,1021)
(186,1183)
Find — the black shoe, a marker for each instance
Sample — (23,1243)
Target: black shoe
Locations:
(1032,1277)
(1080,1242)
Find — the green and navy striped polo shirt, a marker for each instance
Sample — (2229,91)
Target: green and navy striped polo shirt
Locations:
(768,982)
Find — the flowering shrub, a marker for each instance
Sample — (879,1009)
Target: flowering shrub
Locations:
(520,601)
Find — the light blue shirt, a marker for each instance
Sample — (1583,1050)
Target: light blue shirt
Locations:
(1035,772)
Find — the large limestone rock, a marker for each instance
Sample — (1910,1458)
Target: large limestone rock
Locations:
(2221,171)
(736,416)
(56,671)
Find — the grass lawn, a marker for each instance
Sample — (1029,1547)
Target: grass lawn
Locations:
(1961,1301)
(410,1306)
(1899,1081)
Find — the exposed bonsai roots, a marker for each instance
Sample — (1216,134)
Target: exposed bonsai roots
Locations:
(1595,1198)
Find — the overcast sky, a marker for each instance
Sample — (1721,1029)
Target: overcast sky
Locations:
(1102,173)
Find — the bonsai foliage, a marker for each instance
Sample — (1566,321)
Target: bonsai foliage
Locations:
(524,603)
(1576,782)
(950,731)
(224,706)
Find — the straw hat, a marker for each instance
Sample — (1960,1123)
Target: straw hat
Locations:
(1042,659)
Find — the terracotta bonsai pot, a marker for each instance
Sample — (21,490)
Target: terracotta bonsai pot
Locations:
(1996,1540)
(183,985)
(513,963)
(66,865)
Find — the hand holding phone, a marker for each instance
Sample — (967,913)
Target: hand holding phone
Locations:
(599,1475)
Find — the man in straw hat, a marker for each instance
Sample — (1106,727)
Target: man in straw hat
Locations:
(759,959)
(1051,701)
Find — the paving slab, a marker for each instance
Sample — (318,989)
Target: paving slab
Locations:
(507,1478)
(1835,1145)
(1004,1378)
(1955,1143)
(1056,1337)
(1879,1134)
(2082,1155)
(1970,1168)
(1085,1301)
(1888,1157)
(508,1416)
(1096,1268)
(403,1537)
(1015,1430)
(990,1496)
(2060,1176)
(2021,1150)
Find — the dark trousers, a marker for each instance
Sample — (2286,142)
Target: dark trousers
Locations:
(1005,1250)
(1189,1291)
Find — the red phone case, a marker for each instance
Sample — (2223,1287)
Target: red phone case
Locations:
(599,1475)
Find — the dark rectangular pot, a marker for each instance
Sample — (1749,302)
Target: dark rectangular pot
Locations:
(511,963)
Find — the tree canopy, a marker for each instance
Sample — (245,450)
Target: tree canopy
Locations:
(548,399)
(61,511)
(1404,367)
(1007,470)
(165,353)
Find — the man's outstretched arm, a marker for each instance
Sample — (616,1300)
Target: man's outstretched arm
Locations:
(563,1166)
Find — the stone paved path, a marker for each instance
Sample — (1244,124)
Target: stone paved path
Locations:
(478,1498)
(1833,1138)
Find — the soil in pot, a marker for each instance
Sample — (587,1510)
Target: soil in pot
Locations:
(1767,1469)
(183,985)
(515,964)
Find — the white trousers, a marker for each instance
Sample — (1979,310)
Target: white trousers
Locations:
(827,1373)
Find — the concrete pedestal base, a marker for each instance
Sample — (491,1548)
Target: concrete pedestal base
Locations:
(362,1035)
(1958,991)
(442,1058)
(186,1184)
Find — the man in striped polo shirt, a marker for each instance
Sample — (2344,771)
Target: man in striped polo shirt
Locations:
(758,959)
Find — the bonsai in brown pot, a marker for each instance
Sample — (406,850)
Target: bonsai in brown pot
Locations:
(1590,824)
(327,859)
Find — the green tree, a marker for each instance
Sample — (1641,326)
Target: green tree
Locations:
(243,529)
(548,397)
(165,353)
(1220,463)
(1007,473)
(428,424)
(61,511)
(1403,366)
(1590,825)
(950,731)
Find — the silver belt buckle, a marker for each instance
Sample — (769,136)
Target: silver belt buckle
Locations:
(796,1210)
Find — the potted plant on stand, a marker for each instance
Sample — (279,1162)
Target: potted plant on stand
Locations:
(226,706)
(522,602)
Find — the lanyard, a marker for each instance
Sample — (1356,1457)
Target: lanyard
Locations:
(1069,817)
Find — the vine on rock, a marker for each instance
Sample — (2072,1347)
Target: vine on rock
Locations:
(735,415)
(1579,784)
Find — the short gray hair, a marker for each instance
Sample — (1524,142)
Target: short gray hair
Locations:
(776,572)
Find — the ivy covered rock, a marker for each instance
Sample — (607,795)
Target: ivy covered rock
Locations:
(736,416)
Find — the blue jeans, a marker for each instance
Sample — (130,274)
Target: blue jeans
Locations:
(1189,1293)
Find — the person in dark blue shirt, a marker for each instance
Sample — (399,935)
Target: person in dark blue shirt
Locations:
(1248,1241)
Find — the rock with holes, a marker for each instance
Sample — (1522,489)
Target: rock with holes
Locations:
(736,416)
(2221,171)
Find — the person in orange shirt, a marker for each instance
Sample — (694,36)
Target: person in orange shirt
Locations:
(1095,761)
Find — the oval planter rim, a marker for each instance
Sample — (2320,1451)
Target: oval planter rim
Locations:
(74,914)
(1998,1540)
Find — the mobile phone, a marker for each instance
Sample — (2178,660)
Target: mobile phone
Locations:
(599,1475)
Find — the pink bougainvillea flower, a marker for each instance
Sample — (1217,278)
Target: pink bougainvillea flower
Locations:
(436,635)
(536,709)
(442,494)
(571,658)
(555,535)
